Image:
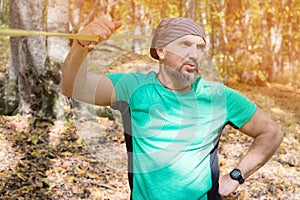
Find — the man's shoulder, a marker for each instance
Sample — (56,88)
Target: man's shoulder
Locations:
(131,76)
(132,80)
(138,75)
(211,87)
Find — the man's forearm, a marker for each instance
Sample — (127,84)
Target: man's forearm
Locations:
(265,143)
(261,150)
(73,70)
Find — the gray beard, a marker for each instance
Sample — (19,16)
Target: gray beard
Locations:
(185,79)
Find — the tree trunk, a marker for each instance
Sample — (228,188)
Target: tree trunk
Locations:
(57,49)
(276,43)
(28,55)
(190,9)
(75,15)
(30,87)
(137,46)
(3,11)
(57,21)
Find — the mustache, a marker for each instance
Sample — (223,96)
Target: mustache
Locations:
(191,61)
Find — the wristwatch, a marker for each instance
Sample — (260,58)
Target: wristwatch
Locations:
(237,175)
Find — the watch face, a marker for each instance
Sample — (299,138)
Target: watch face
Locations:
(235,173)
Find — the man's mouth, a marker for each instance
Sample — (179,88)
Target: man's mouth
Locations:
(189,67)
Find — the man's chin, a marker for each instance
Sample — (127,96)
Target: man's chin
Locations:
(189,78)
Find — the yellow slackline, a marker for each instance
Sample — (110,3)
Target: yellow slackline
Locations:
(19,32)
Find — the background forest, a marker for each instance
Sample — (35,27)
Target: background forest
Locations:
(252,46)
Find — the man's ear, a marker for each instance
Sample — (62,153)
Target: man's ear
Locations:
(160,52)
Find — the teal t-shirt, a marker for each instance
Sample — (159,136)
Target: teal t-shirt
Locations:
(174,134)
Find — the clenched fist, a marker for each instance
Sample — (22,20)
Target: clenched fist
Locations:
(102,27)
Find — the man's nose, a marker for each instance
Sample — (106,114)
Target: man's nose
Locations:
(194,52)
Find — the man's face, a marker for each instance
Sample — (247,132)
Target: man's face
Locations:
(182,58)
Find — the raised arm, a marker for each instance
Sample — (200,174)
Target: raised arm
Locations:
(267,138)
(76,82)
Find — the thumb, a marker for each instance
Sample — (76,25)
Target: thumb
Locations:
(118,24)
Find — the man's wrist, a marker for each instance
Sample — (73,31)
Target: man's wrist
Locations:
(236,174)
(83,45)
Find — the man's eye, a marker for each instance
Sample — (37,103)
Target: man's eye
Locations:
(186,44)
(200,47)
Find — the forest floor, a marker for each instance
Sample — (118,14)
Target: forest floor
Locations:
(83,156)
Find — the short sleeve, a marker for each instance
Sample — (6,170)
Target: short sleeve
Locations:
(125,84)
(239,109)
(115,77)
(119,82)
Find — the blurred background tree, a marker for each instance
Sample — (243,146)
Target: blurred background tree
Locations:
(4,12)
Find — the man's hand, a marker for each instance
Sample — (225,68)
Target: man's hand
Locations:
(227,185)
(102,27)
